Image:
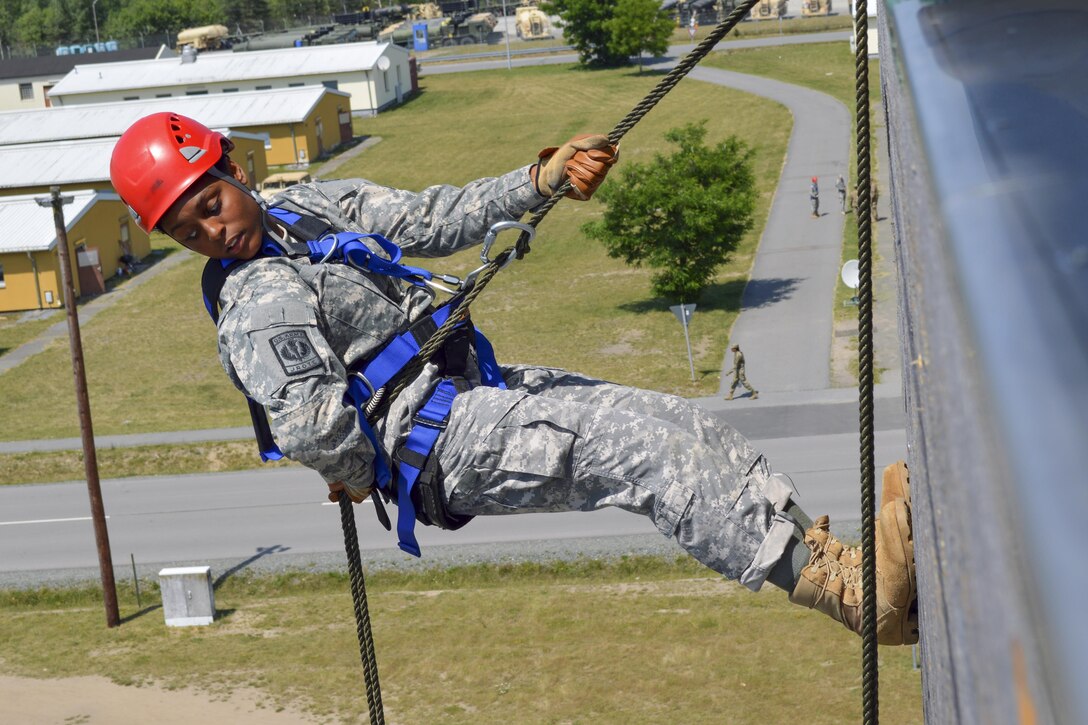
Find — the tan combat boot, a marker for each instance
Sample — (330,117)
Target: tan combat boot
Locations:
(831,582)
(896,484)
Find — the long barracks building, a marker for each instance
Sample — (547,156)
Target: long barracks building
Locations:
(377,75)
(298,125)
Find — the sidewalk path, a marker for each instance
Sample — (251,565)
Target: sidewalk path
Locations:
(785,322)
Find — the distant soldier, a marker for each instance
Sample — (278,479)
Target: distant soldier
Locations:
(739,378)
(874,194)
(814,198)
(840,186)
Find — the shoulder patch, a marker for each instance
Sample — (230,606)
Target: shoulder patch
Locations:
(295,351)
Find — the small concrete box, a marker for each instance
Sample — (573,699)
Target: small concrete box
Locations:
(187,596)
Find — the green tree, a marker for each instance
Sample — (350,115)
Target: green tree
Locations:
(681,214)
(637,27)
(151,17)
(38,25)
(586,27)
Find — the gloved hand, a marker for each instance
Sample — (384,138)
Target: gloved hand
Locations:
(585,158)
(354,494)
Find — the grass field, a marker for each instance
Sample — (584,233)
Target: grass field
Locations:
(639,640)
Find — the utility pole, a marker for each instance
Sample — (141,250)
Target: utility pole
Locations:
(95,14)
(90,460)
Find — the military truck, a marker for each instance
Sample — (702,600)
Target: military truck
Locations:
(814,8)
(458,29)
(531,24)
(768,10)
(206,37)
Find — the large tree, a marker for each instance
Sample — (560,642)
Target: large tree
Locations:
(586,27)
(681,214)
(637,27)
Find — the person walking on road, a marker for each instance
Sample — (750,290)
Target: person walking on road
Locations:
(874,194)
(840,186)
(739,378)
(814,198)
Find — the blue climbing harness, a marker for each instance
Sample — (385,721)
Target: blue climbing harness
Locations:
(364,382)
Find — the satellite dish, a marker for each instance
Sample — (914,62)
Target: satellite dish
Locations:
(383,63)
(850,274)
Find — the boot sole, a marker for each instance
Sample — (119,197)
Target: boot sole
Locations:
(896,483)
(904,541)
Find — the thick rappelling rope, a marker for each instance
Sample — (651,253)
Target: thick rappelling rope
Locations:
(870,704)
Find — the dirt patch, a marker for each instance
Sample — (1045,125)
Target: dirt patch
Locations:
(844,351)
(713,586)
(98,700)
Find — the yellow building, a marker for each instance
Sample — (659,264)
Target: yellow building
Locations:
(298,125)
(99,229)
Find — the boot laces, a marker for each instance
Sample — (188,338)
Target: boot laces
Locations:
(833,567)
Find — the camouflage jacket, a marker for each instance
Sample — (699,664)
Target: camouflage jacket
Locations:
(289,329)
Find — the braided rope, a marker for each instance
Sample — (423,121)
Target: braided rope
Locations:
(870,705)
(362,612)
(666,84)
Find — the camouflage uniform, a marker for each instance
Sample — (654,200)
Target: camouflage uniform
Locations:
(739,378)
(553,441)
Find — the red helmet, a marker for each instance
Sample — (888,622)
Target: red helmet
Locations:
(158,158)
(813,179)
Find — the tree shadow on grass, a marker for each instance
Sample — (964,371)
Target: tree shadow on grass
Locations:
(726,296)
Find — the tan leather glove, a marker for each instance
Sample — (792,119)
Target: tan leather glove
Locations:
(585,158)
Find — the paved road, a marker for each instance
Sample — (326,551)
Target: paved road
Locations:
(442,66)
(226,519)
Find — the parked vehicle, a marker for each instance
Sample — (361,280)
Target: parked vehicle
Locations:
(275,183)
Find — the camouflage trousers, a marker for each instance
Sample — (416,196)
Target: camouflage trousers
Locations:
(558,441)
(738,380)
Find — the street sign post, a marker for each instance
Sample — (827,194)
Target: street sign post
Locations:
(684,313)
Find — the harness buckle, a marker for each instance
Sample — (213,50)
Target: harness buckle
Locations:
(418,419)
(366,383)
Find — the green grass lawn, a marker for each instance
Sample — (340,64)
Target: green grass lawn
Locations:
(639,640)
(17,328)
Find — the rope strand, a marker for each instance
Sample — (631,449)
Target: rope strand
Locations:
(362,611)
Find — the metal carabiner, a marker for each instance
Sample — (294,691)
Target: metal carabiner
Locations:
(494,232)
(489,240)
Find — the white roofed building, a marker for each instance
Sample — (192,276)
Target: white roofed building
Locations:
(81,164)
(298,124)
(376,75)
